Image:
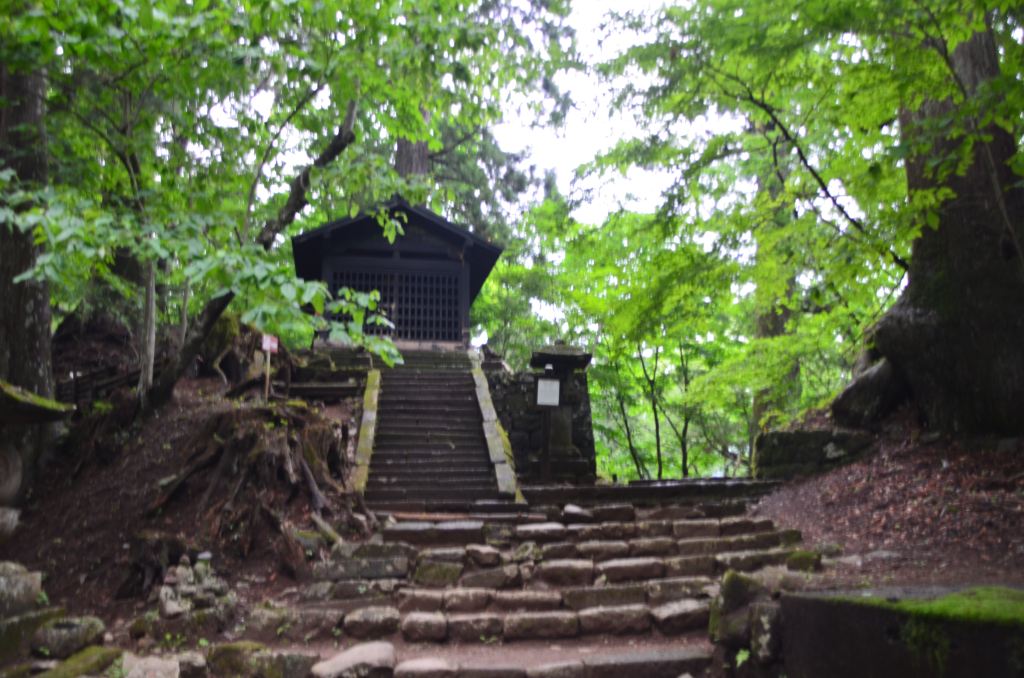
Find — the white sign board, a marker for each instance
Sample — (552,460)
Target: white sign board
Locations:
(547,392)
(269,343)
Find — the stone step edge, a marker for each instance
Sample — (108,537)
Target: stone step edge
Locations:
(645,663)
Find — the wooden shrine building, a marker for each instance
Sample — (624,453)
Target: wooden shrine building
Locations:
(427,279)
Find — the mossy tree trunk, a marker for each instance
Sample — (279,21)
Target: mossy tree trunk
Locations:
(956,335)
(25,359)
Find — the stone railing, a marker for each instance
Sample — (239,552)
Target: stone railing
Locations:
(498,446)
(367,431)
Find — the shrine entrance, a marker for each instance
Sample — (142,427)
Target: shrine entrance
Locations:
(427,279)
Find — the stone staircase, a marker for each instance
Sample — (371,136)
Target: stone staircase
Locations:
(430,452)
(615,588)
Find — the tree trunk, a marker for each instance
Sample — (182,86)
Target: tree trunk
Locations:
(412,159)
(957,333)
(24,307)
(652,392)
(641,472)
(147,337)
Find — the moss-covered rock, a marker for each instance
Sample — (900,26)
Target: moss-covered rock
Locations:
(729,619)
(15,632)
(91,660)
(63,637)
(437,574)
(804,561)
(234,659)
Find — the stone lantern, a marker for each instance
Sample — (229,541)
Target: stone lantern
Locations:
(557,364)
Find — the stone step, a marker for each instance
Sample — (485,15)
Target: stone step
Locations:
(454,478)
(427,437)
(409,370)
(431,408)
(426,397)
(667,492)
(433,458)
(441,388)
(378,622)
(651,593)
(430,379)
(431,494)
(609,658)
(497,511)
(413,426)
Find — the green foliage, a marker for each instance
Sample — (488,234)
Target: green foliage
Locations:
(744,300)
(176,130)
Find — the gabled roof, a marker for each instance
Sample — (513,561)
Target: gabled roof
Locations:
(308,247)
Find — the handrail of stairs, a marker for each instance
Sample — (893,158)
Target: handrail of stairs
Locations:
(499,449)
(367,431)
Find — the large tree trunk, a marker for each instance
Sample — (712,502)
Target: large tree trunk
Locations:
(24,307)
(956,335)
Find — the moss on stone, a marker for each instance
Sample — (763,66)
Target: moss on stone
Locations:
(984,604)
(90,660)
(437,573)
(16,631)
(233,659)
(804,561)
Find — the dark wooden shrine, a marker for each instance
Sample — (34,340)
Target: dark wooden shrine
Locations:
(427,279)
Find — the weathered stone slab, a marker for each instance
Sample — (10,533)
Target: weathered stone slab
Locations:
(494,578)
(671,663)
(699,547)
(527,600)
(567,669)
(559,549)
(541,532)
(689,566)
(567,572)
(474,628)
(416,600)
(450,554)
(459,531)
(572,513)
(425,667)
(541,625)
(631,569)
(420,627)
(609,531)
(497,671)
(747,561)
(466,600)
(366,660)
(437,574)
(617,620)
(586,597)
(694,529)
(652,546)
(614,512)
(412,532)
(372,622)
(680,616)
(483,556)
(602,550)
(654,528)
(734,526)
(663,591)
(361,568)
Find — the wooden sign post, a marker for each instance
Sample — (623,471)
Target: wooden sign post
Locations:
(269,346)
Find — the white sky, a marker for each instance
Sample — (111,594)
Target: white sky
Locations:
(589,127)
